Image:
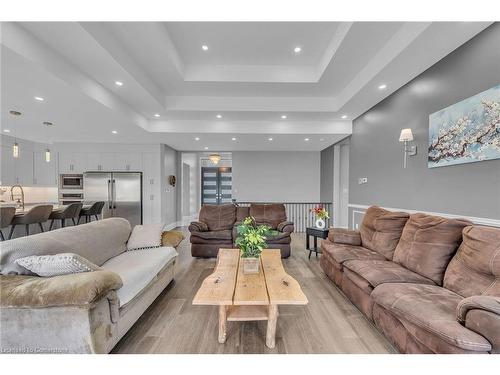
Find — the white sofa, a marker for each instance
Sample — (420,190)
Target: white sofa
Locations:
(80,313)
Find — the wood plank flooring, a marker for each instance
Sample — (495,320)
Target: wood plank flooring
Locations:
(328,324)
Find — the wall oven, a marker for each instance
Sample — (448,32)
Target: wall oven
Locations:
(71,181)
(68,198)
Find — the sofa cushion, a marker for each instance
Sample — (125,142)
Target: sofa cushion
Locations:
(283,237)
(242,212)
(207,237)
(268,214)
(381,229)
(97,242)
(145,236)
(431,308)
(341,252)
(218,217)
(345,236)
(475,269)
(377,272)
(428,243)
(138,268)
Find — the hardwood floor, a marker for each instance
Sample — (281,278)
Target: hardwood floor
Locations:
(328,324)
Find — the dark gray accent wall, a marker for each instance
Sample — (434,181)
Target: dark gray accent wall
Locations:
(326,177)
(468,189)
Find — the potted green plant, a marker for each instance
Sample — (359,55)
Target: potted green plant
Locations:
(251,239)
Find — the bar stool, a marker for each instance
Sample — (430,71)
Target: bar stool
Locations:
(37,215)
(72,211)
(6,216)
(93,210)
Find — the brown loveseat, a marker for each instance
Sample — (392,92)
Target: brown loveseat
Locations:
(216,227)
(405,274)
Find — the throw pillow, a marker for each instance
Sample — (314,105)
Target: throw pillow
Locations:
(145,237)
(58,264)
(171,238)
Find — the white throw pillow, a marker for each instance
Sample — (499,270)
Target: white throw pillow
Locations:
(145,237)
(58,264)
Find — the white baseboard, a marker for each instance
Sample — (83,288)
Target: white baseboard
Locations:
(476,220)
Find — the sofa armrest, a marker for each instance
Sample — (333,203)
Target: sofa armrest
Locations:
(344,236)
(285,226)
(198,226)
(486,303)
(481,314)
(79,289)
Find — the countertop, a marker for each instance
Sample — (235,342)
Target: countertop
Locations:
(27,206)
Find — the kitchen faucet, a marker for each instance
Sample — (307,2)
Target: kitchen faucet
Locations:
(18,200)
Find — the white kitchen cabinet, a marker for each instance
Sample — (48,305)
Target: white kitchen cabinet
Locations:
(24,168)
(44,174)
(17,170)
(128,161)
(108,161)
(72,162)
(8,171)
(93,162)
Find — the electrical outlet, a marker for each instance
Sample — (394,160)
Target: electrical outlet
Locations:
(362,180)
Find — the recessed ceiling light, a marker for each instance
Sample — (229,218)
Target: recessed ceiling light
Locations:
(197,139)
(321,139)
(206,147)
(233,139)
(344,116)
(118,83)
(306,139)
(39,98)
(204,47)
(269,139)
(283,117)
(383,86)
(219,116)
(6,130)
(297,49)
(114,132)
(157,115)
(15,113)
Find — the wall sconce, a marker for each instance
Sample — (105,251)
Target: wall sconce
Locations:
(406,136)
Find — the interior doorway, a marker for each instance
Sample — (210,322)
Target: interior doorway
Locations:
(341,184)
(216,185)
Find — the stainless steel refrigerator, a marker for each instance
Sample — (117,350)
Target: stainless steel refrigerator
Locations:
(121,193)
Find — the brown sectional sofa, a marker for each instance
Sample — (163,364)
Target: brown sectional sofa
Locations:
(216,227)
(430,284)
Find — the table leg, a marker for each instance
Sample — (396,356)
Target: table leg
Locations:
(222,323)
(307,245)
(271,326)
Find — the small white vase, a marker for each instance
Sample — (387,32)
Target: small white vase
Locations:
(320,223)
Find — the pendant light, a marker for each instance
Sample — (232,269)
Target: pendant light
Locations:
(15,150)
(47,150)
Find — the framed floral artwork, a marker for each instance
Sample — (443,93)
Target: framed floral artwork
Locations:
(467,131)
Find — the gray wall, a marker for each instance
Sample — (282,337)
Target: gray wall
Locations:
(276,176)
(326,177)
(468,189)
(169,200)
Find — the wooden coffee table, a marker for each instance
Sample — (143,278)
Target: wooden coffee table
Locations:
(244,297)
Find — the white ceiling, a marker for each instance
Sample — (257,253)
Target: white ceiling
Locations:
(249,75)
